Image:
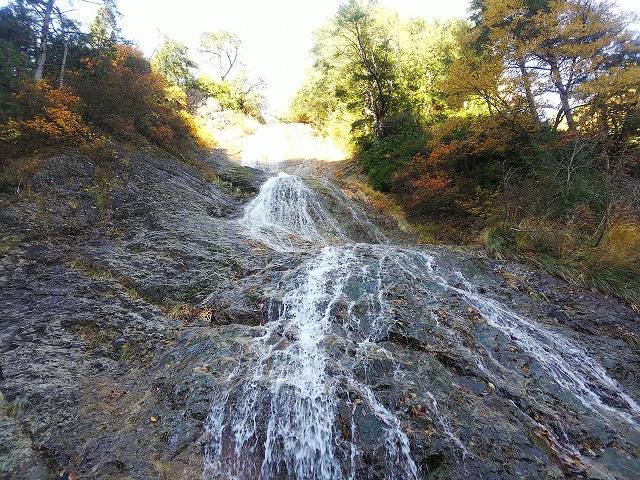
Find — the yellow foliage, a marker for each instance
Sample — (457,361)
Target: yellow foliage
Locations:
(199,129)
(622,241)
(176,94)
(45,115)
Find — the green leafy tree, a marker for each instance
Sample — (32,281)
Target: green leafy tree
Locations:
(424,55)
(172,61)
(104,31)
(375,83)
(234,88)
(17,39)
(238,94)
(354,69)
(367,50)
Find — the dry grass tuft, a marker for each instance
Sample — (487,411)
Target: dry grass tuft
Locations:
(611,265)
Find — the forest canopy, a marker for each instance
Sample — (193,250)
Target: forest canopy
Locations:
(518,126)
(63,85)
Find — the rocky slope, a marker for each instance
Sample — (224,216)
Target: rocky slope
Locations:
(130,294)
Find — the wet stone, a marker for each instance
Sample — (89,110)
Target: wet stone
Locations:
(177,329)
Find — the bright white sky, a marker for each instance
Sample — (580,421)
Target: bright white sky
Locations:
(277,34)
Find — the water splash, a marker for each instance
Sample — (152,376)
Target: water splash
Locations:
(567,363)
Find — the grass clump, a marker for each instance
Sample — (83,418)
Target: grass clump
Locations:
(187,313)
(610,265)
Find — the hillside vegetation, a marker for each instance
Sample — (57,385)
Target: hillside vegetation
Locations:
(63,88)
(518,128)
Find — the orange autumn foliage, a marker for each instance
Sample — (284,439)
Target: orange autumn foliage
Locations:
(43,115)
(114,95)
(426,176)
(123,96)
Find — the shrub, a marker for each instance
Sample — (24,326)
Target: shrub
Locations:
(461,174)
(612,266)
(124,97)
(13,65)
(41,117)
(381,158)
(236,95)
(114,96)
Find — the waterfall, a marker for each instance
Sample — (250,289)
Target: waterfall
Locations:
(286,215)
(295,406)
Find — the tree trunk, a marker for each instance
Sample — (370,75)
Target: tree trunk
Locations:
(42,46)
(378,126)
(556,78)
(380,111)
(526,83)
(63,65)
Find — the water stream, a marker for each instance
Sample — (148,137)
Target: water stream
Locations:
(307,400)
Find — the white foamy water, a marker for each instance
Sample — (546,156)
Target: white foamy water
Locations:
(278,415)
(283,423)
(567,363)
(286,214)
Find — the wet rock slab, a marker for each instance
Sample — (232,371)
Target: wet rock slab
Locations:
(105,346)
(129,292)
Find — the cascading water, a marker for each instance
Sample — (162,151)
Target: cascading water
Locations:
(287,214)
(307,401)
